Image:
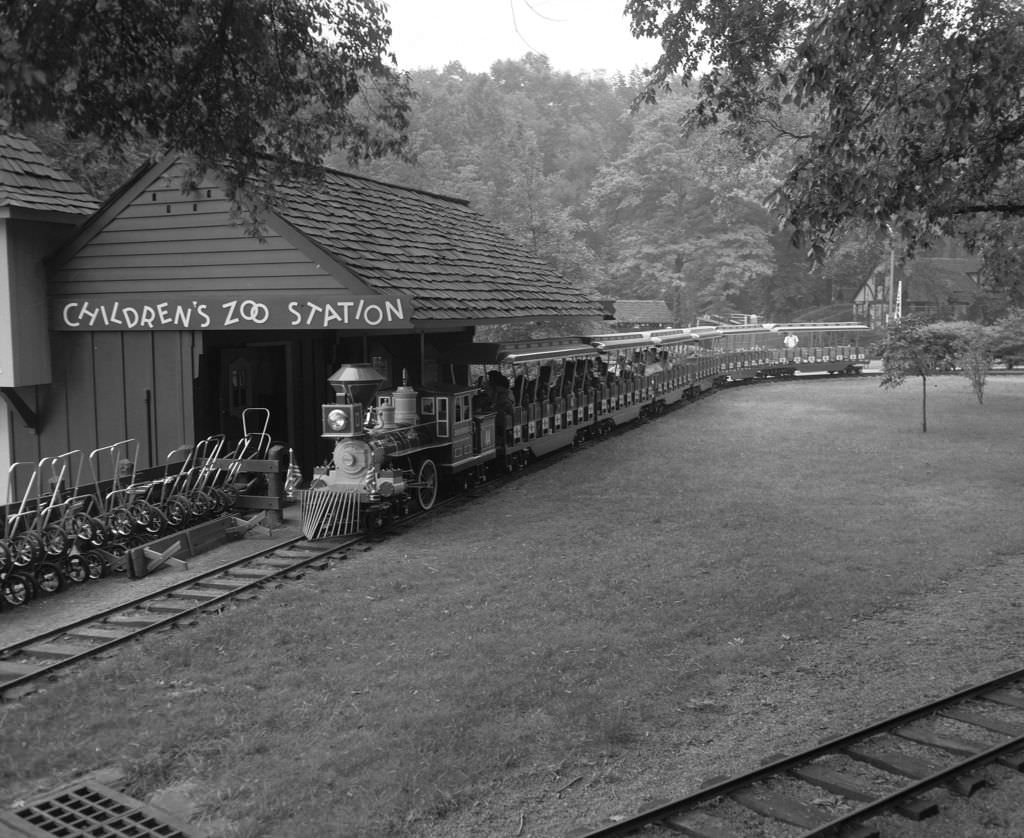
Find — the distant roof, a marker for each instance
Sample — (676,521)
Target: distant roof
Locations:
(942,279)
(944,273)
(454,262)
(30,180)
(643,311)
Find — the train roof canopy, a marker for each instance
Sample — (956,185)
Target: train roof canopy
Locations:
(819,327)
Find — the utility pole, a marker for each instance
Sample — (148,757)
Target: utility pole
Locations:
(892,279)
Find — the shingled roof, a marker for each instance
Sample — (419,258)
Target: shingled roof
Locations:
(643,312)
(30,180)
(942,279)
(452,261)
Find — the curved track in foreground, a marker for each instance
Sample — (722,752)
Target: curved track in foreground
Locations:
(838,786)
(25,663)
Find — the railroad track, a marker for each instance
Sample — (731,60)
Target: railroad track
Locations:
(837,787)
(25,663)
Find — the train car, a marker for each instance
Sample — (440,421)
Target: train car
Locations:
(552,392)
(833,348)
(744,350)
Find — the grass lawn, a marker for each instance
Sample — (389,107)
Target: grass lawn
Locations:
(767,567)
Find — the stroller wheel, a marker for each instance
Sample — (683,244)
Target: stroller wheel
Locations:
(55,540)
(76,569)
(16,590)
(48,578)
(119,522)
(177,511)
(95,565)
(27,547)
(218,501)
(146,518)
(202,504)
(230,494)
(100,533)
(83,526)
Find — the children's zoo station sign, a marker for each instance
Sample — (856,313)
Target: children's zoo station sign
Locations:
(245,310)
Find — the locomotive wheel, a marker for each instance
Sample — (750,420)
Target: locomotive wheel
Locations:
(48,578)
(426,492)
(76,569)
(27,547)
(16,590)
(378,519)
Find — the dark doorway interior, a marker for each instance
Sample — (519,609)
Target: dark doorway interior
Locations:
(254,376)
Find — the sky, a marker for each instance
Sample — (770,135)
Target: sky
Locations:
(577,36)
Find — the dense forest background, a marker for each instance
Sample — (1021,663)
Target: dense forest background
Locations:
(629,203)
(632,204)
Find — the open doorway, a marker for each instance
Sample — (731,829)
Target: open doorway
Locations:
(254,376)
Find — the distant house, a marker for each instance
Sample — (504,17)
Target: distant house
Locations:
(640,314)
(940,283)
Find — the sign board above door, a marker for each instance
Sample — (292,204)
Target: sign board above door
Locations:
(242,310)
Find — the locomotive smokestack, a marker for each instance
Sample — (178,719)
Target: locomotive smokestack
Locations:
(355,384)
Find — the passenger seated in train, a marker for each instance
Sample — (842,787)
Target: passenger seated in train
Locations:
(543,383)
(500,398)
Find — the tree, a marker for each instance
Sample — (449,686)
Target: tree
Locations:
(522,143)
(913,347)
(679,219)
(1007,338)
(259,89)
(914,106)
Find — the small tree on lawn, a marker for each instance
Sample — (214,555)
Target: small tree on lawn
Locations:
(971,344)
(911,348)
(1008,338)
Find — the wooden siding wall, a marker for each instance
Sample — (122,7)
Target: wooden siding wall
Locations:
(172,243)
(101,382)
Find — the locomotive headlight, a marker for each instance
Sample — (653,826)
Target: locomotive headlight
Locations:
(337,420)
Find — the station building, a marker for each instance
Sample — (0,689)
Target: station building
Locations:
(157,317)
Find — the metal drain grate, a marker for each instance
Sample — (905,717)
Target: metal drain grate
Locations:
(88,809)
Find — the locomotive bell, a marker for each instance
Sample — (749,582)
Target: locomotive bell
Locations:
(355,384)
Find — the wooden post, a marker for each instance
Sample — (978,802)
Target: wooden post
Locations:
(274,516)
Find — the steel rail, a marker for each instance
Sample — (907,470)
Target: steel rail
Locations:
(6,651)
(720,789)
(138,606)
